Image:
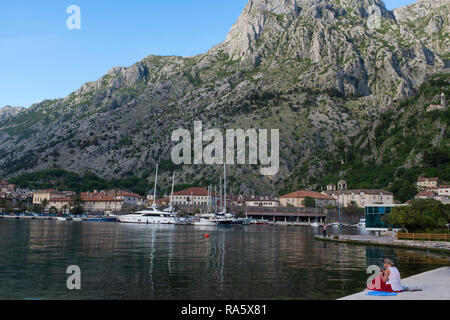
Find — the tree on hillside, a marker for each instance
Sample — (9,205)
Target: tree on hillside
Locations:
(422,215)
(403,190)
(309,202)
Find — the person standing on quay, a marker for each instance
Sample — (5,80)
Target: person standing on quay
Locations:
(324,230)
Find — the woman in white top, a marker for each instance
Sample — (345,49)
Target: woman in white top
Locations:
(388,280)
(391,277)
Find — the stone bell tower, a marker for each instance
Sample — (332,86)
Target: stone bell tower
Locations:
(443,103)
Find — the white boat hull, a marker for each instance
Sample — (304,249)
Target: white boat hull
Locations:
(148,220)
(204,223)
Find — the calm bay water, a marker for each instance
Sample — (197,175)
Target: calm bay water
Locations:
(120,261)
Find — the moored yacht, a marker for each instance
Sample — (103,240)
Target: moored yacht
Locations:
(206,219)
(152,215)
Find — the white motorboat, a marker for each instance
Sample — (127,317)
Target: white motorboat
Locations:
(64,218)
(206,219)
(211,219)
(152,215)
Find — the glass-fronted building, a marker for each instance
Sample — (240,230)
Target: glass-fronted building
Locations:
(375,217)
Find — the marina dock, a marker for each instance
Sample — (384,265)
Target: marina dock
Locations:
(389,241)
(434,285)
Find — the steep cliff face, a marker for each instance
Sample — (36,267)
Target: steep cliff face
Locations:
(429,21)
(355,46)
(321,71)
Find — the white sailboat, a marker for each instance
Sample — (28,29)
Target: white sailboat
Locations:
(215,218)
(225,217)
(315,224)
(153,215)
(206,219)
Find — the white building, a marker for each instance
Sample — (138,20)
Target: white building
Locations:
(192,196)
(130,198)
(261,202)
(362,197)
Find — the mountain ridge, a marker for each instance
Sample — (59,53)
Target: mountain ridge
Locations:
(322,74)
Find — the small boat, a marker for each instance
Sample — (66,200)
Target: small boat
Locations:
(211,219)
(100,219)
(204,222)
(314,224)
(260,222)
(241,221)
(64,219)
(336,225)
(362,223)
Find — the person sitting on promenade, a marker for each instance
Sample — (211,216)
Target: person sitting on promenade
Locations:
(388,280)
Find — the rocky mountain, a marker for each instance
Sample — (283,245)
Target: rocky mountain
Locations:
(322,71)
(8,111)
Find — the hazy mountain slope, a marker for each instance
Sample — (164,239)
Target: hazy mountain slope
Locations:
(8,111)
(315,69)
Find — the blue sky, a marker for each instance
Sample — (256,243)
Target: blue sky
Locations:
(41,59)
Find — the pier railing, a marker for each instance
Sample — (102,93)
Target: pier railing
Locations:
(423,236)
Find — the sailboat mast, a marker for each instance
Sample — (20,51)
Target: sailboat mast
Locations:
(220,193)
(224,187)
(171,194)
(208,207)
(154,190)
(215,198)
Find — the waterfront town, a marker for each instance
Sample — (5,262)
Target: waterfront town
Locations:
(336,203)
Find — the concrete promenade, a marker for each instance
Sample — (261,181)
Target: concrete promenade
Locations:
(435,285)
(389,241)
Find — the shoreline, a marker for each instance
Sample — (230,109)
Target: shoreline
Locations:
(434,284)
(386,241)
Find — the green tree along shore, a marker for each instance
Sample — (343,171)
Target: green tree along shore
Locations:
(425,215)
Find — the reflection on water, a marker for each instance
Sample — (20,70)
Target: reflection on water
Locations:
(120,261)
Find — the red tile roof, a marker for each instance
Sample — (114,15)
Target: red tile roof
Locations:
(307,194)
(192,191)
(425,194)
(128,194)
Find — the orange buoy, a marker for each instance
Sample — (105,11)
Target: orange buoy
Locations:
(206,235)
